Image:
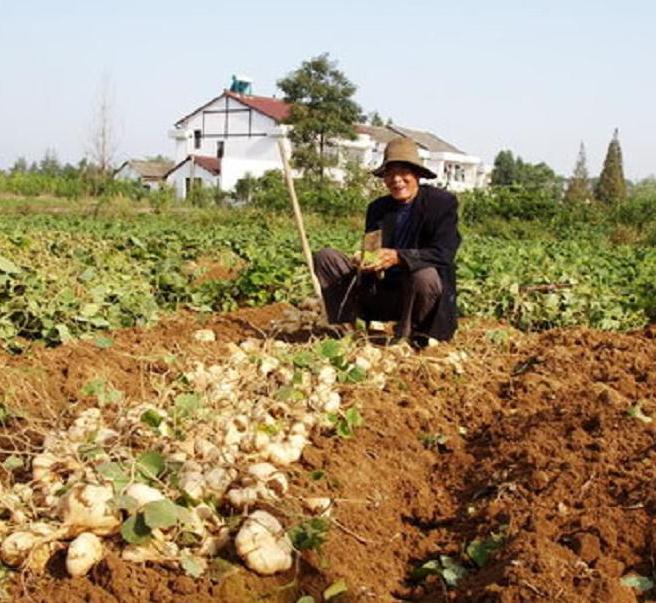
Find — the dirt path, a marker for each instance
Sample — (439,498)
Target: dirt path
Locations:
(524,441)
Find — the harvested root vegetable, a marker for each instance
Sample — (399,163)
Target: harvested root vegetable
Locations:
(87,508)
(83,553)
(31,548)
(143,494)
(153,551)
(263,545)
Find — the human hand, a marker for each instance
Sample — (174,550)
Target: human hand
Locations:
(386,259)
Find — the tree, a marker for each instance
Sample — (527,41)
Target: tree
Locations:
(375,119)
(19,167)
(611,186)
(323,110)
(102,141)
(49,164)
(578,188)
(504,172)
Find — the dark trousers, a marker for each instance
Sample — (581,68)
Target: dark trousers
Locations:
(409,298)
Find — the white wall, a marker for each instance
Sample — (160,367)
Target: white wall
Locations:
(177,178)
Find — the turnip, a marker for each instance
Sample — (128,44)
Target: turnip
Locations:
(87,508)
(143,494)
(83,553)
(263,545)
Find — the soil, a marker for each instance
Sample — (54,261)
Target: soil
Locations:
(526,438)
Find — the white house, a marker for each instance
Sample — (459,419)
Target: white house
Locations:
(241,131)
(150,174)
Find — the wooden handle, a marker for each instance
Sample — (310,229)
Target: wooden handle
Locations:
(298,217)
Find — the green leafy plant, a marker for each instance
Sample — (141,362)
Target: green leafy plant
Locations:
(444,566)
(310,534)
(346,422)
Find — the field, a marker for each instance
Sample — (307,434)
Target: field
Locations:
(514,463)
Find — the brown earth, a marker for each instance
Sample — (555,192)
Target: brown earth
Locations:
(535,445)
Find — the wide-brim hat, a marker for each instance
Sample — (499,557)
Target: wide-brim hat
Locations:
(403,150)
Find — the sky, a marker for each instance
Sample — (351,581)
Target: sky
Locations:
(536,77)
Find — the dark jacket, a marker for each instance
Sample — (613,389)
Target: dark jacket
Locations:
(435,240)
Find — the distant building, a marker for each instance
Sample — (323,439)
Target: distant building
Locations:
(151,174)
(239,133)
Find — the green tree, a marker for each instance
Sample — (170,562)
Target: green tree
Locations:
(323,110)
(504,172)
(578,188)
(375,119)
(611,186)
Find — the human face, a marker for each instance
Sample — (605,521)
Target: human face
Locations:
(401,181)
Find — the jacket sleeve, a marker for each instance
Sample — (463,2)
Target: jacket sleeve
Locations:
(441,240)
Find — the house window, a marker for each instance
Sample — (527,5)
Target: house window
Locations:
(197,137)
(220,149)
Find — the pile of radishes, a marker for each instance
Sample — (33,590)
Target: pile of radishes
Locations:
(164,479)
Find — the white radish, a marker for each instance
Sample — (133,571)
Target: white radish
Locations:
(83,553)
(263,545)
(88,508)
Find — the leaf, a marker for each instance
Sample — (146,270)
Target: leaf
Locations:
(310,534)
(306,599)
(480,551)
(103,342)
(637,413)
(134,530)
(335,589)
(114,473)
(330,349)
(151,417)
(89,310)
(317,474)
(13,463)
(355,375)
(193,566)
(218,569)
(187,404)
(150,465)
(303,359)
(7,266)
(453,572)
(162,514)
(126,503)
(636,581)
(429,568)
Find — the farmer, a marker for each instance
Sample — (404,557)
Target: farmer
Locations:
(413,281)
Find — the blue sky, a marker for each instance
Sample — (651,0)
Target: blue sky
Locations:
(536,77)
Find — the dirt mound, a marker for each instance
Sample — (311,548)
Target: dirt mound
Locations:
(527,460)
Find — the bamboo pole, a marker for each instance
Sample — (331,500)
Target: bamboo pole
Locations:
(298,217)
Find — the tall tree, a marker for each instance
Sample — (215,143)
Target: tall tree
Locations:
(102,138)
(504,172)
(611,186)
(323,110)
(578,188)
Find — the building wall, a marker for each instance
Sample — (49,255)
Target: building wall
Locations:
(177,179)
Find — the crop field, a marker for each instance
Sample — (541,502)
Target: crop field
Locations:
(179,423)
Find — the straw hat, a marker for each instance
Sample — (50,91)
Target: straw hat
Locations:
(403,150)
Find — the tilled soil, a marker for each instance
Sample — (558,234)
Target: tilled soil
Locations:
(524,438)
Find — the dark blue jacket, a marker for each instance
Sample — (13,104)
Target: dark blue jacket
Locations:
(435,240)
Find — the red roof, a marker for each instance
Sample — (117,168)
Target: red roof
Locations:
(211,164)
(271,107)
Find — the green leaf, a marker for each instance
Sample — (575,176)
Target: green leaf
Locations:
(317,474)
(134,530)
(161,514)
(306,599)
(115,473)
(218,569)
(288,393)
(13,463)
(335,589)
(187,404)
(192,566)
(7,266)
(330,349)
(126,503)
(480,551)
(637,413)
(354,375)
(151,417)
(429,568)
(103,342)
(636,581)
(453,572)
(150,464)
(310,534)
(89,310)
(304,359)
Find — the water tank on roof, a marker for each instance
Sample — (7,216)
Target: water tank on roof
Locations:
(241,84)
